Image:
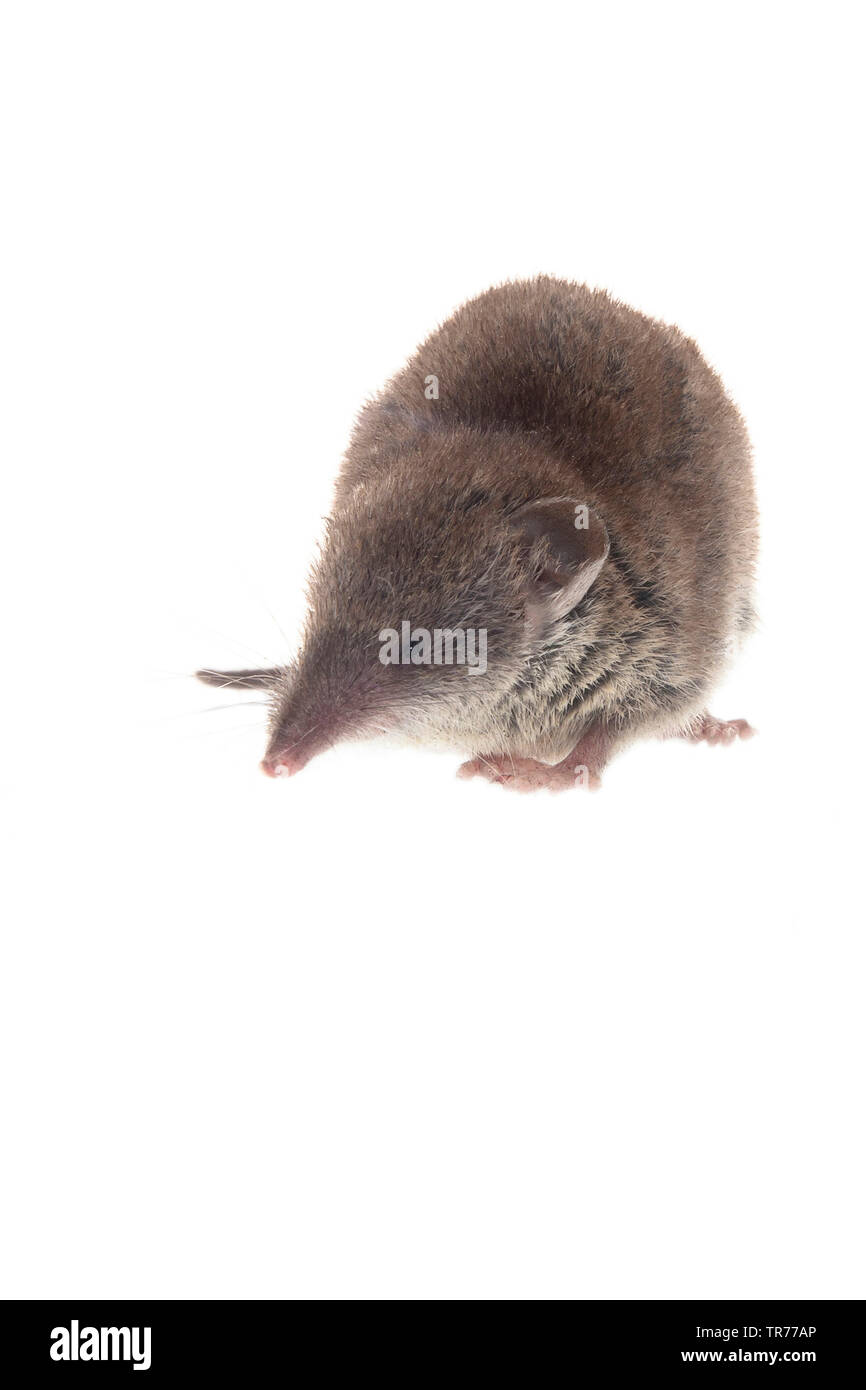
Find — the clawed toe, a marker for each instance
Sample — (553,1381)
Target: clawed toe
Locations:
(527,775)
(708,729)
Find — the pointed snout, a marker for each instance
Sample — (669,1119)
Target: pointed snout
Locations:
(272,769)
(284,760)
(287,751)
(307,725)
(284,764)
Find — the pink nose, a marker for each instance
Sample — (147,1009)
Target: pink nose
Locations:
(288,751)
(287,763)
(272,769)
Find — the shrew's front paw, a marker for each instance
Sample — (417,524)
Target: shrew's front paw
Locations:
(527,775)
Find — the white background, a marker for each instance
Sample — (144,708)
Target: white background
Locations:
(378,1033)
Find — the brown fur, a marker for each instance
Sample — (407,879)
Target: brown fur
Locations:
(547,390)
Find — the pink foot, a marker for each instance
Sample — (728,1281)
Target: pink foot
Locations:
(582,768)
(527,775)
(707,729)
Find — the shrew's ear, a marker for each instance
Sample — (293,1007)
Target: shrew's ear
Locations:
(567,544)
(245,680)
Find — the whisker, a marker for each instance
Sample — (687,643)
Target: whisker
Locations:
(236,704)
(157,675)
(209,709)
(276,624)
(301,739)
(234,682)
(235,729)
(224,637)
